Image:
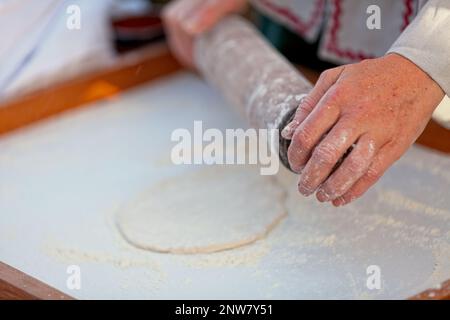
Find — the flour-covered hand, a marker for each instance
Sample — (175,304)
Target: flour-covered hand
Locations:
(367,114)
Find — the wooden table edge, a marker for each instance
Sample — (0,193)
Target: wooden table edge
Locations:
(16,285)
(132,70)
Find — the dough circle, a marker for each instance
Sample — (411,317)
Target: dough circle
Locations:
(212,209)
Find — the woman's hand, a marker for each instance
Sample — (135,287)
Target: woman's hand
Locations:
(376,108)
(184,19)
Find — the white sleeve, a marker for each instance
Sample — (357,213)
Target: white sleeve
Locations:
(426,42)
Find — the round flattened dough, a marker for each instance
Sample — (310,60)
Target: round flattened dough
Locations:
(212,209)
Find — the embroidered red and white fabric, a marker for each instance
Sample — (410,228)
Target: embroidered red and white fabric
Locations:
(343,23)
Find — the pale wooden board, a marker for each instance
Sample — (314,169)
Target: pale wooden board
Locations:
(62,180)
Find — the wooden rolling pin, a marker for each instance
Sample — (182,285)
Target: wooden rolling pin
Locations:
(252,75)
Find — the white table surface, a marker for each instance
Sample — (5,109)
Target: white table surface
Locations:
(62,180)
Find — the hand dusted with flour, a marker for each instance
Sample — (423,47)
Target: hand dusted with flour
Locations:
(378,106)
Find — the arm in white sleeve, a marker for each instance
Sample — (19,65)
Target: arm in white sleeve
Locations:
(426,42)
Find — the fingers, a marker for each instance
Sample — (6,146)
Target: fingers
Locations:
(179,11)
(304,109)
(326,80)
(175,17)
(312,129)
(171,15)
(325,157)
(354,166)
(185,19)
(208,14)
(387,155)
(197,16)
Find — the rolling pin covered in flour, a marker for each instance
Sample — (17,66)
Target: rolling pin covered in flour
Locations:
(252,75)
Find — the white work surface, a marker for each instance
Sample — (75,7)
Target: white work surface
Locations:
(62,181)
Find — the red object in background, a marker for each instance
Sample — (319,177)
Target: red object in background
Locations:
(135,31)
